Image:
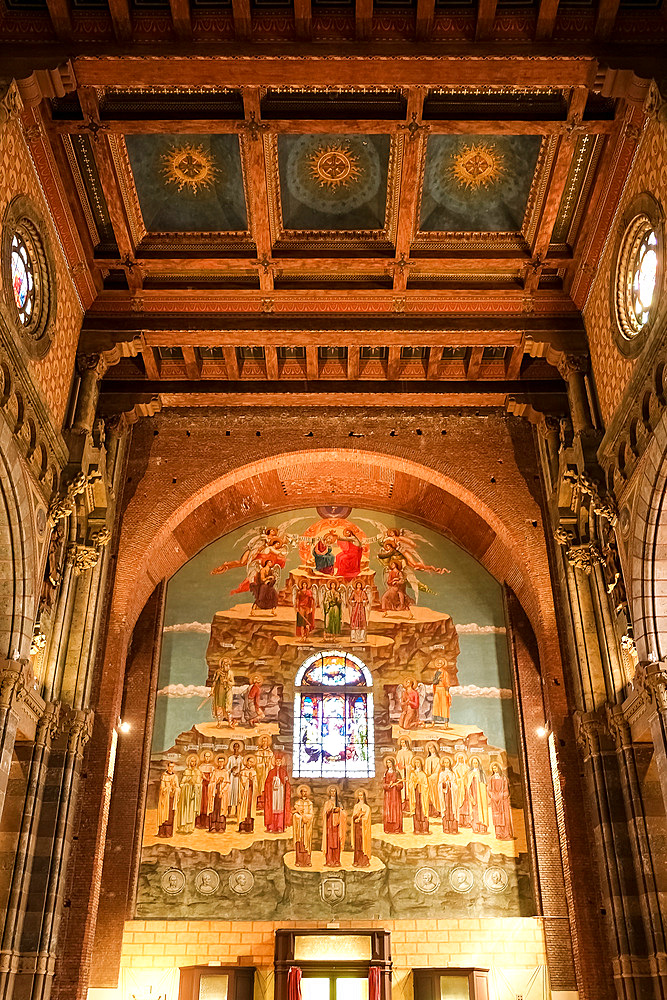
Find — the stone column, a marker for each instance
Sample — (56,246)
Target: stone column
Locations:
(652,677)
(91,368)
(47,729)
(13,677)
(641,850)
(573,368)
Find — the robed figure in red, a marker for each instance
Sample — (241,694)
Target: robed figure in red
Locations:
(348,559)
(334,825)
(277,801)
(393,803)
(501,807)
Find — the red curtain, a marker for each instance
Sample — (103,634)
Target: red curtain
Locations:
(294,983)
(373,983)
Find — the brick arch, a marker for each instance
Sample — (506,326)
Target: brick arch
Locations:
(155,546)
(18,553)
(648,551)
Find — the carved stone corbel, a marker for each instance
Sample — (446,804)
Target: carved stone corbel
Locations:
(78,728)
(652,679)
(83,557)
(63,504)
(17,681)
(11,104)
(619,727)
(49,724)
(589,729)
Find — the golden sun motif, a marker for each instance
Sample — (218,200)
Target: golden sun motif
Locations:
(189,166)
(334,166)
(477,165)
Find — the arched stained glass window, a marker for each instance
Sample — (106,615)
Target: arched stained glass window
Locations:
(333,717)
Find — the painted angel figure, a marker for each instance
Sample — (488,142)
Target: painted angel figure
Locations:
(331,597)
(358,598)
(399,549)
(265,547)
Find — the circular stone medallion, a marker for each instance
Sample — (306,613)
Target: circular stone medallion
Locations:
(207,881)
(461,879)
(495,879)
(173,881)
(427,880)
(241,881)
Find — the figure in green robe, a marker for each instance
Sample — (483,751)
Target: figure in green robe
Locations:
(332,604)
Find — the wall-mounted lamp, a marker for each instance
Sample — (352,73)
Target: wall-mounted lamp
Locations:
(542,732)
(123,727)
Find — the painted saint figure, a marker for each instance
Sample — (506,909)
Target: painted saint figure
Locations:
(409,718)
(323,555)
(206,769)
(432,770)
(219,800)
(234,763)
(359,602)
(222,693)
(167,802)
(442,699)
(404,759)
(395,597)
(478,797)
(304,604)
(392,814)
(303,816)
(361,831)
(247,795)
(348,559)
(501,807)
(462,801)
(265,761)
(252,710)
(447,795)
(334,822)
(332,605)
(189,798)
(418,787)
(277,804)
(263,587)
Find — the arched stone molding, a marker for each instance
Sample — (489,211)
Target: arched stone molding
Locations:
(648,551)
(18,559)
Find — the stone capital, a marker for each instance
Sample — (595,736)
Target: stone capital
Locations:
(78,728)
(48,724)
(572,364)
(82,557)
(652,679)
(589,728)
(619,727)
(91,363)
(16,682)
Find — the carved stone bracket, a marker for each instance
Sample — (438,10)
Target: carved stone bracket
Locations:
(48,724)
(64,503)
(619,727)
(11,104)
(589,728)
(17,682)
(583,557)
(83,557)
(78,728)
(583,485)
(652,679)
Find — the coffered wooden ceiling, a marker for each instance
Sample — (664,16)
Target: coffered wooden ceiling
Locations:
(260,222)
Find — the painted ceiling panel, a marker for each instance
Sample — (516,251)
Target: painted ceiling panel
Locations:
(333,181)
(477,183)
(189,183)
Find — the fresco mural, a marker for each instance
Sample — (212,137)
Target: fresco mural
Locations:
(334,729)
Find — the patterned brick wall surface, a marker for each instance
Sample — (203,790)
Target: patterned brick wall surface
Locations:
(53,374)
(612,371)
(414,943)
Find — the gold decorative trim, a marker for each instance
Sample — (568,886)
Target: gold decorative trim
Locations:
(81,189)
(538,188)
(127,186)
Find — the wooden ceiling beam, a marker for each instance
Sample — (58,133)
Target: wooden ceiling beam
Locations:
(271,360)
(606,19)
(353,360)
(410,170)
(473,362)
(546,20)
(303,18)
(121,20)
(61,18)
(393,362)
(242,17)
(182,18)
(445,265)
(424,20)
(257,189)
(558,178)
(192,361)
(151,361)
(438,70)
(486,16)
(213,126)
(312,361)
(363,19)
(231,361)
